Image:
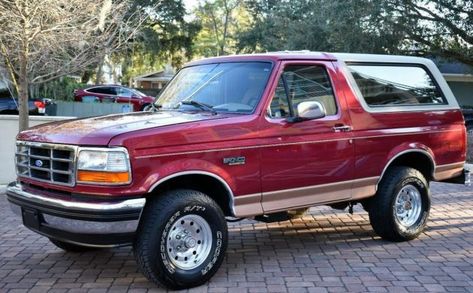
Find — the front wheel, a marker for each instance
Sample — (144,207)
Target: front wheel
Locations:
(400,208)
(181,240)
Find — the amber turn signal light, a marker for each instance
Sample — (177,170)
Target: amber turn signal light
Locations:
(103,177)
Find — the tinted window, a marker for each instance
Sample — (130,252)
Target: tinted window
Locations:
(383,85)
(124,92)
(4,93)
(304,83)
(102,90)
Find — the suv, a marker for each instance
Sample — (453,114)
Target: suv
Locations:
(116,94)
(252,136)
(9,104)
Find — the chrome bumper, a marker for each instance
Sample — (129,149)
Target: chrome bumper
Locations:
(91,223)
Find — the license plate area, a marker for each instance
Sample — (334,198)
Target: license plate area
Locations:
(32,218)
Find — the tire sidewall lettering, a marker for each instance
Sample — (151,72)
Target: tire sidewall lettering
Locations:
(169,267)
(218,248)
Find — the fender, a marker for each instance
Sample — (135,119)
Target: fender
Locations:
(404,149)
(194,167)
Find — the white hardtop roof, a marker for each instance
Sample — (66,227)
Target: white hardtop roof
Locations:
(353,57)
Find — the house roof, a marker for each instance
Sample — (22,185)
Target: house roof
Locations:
(162,75)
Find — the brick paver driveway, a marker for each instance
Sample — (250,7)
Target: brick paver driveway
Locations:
(327,250)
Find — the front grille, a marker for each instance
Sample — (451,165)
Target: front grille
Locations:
(53,163)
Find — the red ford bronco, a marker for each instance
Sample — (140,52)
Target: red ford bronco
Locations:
(263,136)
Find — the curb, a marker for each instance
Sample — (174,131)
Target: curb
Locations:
(3,188)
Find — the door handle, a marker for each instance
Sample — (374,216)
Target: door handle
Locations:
(341,128)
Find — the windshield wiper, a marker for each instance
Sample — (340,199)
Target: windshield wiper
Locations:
(200,105)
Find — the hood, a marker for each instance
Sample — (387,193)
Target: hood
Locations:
(100,130)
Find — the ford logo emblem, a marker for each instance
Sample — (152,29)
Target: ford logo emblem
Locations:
(38,163)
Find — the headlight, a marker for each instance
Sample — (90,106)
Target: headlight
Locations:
(103,166)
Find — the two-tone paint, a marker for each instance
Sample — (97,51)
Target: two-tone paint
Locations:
(287,165)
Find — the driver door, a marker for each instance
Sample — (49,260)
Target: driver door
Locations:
(308,162)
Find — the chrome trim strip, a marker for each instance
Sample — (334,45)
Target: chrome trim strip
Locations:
(136,203)
(447,166)
(196,172)
(447,171)
(288,144)
(402,153)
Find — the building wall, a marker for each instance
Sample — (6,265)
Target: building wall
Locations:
(144,84)
(463,91)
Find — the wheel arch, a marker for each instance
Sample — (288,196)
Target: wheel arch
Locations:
(419,159)
(209,183)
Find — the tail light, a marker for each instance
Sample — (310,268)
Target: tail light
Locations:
(39,104)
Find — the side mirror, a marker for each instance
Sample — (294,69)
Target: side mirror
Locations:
(308,111)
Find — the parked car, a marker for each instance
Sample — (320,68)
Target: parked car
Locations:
(116,94)
(9,104)
(254,136)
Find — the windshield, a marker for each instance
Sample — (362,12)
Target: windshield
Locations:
(222,87)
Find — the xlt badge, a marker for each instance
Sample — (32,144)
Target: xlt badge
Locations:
(234,161)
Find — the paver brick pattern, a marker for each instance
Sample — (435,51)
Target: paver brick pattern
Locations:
(325,251)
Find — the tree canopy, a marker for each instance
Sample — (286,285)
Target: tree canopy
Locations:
(41,40)
(440,27)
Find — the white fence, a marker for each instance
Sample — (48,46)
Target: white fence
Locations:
(8,132)
(77,109)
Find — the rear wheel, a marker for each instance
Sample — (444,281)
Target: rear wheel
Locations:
(181,239)
(400,208)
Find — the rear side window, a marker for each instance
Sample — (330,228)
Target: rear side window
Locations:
(396,85)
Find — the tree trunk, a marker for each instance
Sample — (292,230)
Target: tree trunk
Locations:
(23,108)
(98,76)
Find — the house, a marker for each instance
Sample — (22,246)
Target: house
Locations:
(154,80)
(459,77)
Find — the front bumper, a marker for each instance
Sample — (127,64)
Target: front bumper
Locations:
(98,223)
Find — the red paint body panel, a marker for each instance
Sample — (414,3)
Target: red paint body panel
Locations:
(279,155)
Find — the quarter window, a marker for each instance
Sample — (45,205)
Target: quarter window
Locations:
(388,85)
(304,83)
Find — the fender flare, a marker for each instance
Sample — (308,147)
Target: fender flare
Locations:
(399,154)
(198,172)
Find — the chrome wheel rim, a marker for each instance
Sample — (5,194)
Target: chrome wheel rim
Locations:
(408,206)
(188,242)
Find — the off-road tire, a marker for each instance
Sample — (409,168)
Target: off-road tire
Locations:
(146,107)
(159,217)
(70,247)
(382,209)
